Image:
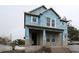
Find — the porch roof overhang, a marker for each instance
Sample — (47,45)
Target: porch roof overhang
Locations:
(47,28)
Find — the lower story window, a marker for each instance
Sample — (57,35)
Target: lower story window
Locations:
(34,19)
(48,40)
(53,40)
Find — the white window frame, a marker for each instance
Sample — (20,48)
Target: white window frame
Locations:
(51,23)
(55,22)
(33,21)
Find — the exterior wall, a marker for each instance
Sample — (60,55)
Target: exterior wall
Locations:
(27,20)
(56,36)
(49,14)
(43,21)
(58,24)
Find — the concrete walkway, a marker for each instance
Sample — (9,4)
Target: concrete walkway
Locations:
(5,48)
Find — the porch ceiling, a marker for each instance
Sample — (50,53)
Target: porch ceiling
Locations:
(47,28)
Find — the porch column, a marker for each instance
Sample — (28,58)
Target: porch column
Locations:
(27,42)
(44,37)
(61,35)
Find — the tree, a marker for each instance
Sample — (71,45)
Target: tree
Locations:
(19,42)
(13,44)
(73,33)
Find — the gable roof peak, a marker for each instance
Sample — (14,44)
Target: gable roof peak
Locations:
(43,6)
(51,8)
(53,11)
(38,8)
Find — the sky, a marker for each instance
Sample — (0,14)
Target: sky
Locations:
(12,14)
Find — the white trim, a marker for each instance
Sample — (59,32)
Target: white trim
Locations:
(31,18)
(55,22)
(50,23)
(37,19)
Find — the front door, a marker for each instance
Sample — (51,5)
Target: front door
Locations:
(53,40)
(34,38)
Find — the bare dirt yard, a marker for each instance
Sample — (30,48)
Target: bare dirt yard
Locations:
(18,49)
(8,49)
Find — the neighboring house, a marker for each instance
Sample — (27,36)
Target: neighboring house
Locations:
(5,40)
(45,27)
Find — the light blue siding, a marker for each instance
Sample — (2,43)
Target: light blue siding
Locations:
(43,22)
(49,14)
(28,19)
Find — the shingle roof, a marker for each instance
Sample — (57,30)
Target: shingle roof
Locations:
(64,20)
(38,8)
(43,12)
(30,14)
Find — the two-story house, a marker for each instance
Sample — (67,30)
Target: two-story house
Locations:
(45,27)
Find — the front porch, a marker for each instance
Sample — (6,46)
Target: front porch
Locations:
(44,37)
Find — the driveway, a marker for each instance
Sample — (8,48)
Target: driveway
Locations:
(74,48)
(9,48)
(5,48)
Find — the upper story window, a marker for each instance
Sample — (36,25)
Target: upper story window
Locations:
(48,21)
(53,23)
(63,23)
(34,19)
